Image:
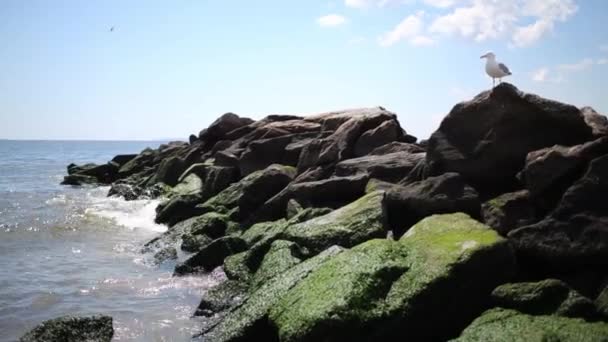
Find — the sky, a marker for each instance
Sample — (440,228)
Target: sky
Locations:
(170,68)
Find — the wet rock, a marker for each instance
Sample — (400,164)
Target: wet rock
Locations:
(194,243)
(211,255)
(507,325)
(547,297)
(390,167)
(487,139)
(179,208)
(73,329)
(169,171)
(509,211)
(443,194)
(167,253)
(226,295)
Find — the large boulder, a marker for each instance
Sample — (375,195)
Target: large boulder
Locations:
(348,226)
(397,146)
(211,255)
(447,193)
(498,325)
(222,126)
(487,139)
(72,329)
(509,211)
(91,174)
(387,132)
(333,192)
(575,235)
(427,286)
(391,167)
(249,321)
(243,198)
(550,171)
(547,297)
(595,120)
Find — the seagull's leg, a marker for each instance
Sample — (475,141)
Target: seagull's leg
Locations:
(493,82)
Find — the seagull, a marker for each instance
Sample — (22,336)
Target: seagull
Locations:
(494,69)
(112,29)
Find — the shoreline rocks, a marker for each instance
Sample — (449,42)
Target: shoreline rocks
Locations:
(339,226)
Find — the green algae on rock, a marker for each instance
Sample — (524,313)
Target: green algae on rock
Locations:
(438,275)
(547,297)
(281,256)
(499,325)
(348,226)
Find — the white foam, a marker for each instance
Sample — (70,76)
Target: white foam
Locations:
(130,214)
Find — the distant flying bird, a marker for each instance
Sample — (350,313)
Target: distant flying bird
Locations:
(112,29)
(494,69)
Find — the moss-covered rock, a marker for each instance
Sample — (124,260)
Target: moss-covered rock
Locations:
(426,286)
(601,302)
(547,297)
(194,243)
(213,225)
(236,267)
(250,320)
(211,255)
(499,325)
(281,256)
(348,226)
(190,185)
(261,230)
(228,294)
(250,192)
(73,329)
(509,211)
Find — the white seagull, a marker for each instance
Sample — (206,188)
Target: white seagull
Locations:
(494,69)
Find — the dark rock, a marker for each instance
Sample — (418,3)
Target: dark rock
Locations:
(575,235)
(78,179)
(396,147)
(550,171)
(169,171)
(487,139)
(243,198)
(444,194)
(509,211)
(509,325)
(178,209)
(226,295)
(595,120)
(333,192)
(192,139)
(389,167)
(211,256)
(167,253)
(389,131)
(547,297)
(226,159)
(91,174)
(127,191)
(72,329)
(222,126)
(137,164)
(263,153)
(194,243)
(601,302)
(122,159)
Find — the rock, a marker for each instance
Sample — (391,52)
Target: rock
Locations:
(191,185)
(122,159)
(216,179)
(550,171)
(192,139)
(447,193)
(179,208)
(137,164)
(169,171)
(213,225)
(595,120)
(547,297)
(396,146)
(348,226)
(281,256)
(194,243)
(384,290)
(333,192)
(575,235)
(72,329)
(390,167)
(389,131)
(78,179)
(222,126)
(601,302)
(250,320)
(247,195)
(487,139)
(378,185)
(499,325)
(167,253)
(509,211)
(127,191)
(263,153)
(228,294)
(211,255)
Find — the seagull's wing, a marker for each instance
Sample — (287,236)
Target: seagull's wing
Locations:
(504,68)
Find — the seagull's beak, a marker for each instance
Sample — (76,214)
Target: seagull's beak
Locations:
(484,56)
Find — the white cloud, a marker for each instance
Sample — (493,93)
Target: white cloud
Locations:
(483,20)
(579,66)
(376,3)
(331,20)
(410,29)
(602,61)
(540,75)
(440,3)
(358,3)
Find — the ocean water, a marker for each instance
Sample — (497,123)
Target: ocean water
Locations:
(71,250)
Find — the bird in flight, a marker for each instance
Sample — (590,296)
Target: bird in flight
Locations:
(495,69)
(112,29)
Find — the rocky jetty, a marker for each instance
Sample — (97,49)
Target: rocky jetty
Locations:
(72,329)
(342,227)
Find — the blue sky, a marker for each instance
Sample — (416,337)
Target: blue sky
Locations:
(170,68)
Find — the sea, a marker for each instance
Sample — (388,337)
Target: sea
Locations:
(68,250)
